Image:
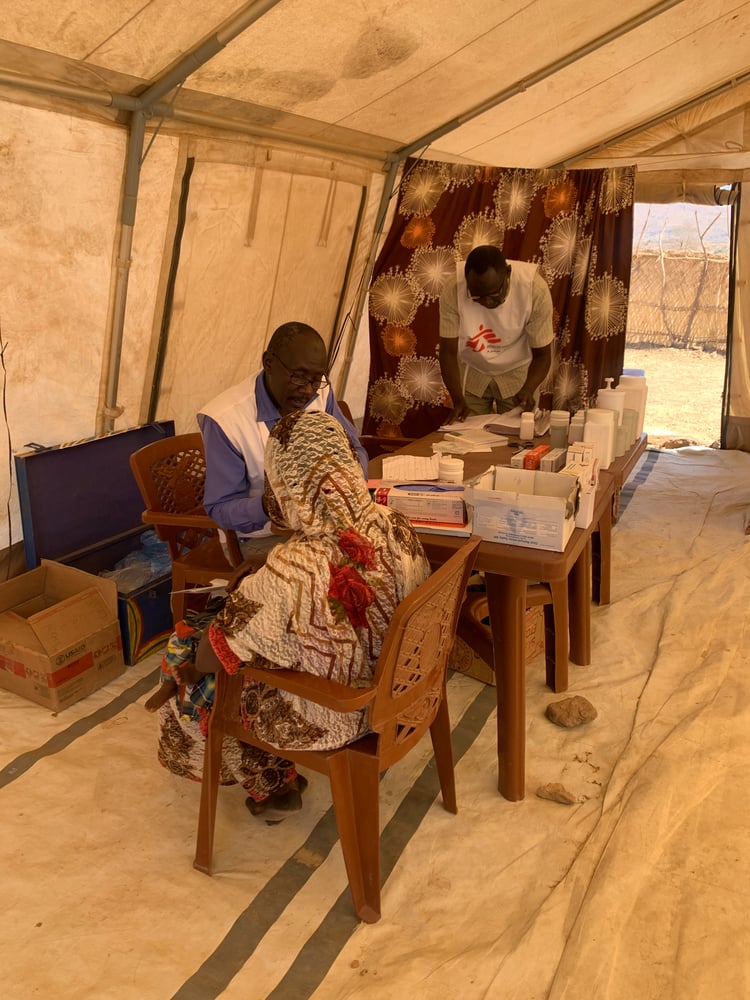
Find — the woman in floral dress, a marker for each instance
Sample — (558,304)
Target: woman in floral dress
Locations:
(320,604)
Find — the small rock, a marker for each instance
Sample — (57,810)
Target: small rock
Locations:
(571,712)
(678,443)
(556,793)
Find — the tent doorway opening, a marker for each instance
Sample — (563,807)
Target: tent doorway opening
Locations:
(677,319)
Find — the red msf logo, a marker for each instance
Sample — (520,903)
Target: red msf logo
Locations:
(481,339)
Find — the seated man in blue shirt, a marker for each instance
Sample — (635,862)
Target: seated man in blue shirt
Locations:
(235,427)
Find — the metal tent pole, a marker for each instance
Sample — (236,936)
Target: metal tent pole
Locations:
(174,77)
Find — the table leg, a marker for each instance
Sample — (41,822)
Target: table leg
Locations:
(601,558)
(557,665)
(506,597)
(615,504)
(579,607)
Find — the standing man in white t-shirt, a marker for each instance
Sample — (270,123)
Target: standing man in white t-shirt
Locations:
(495,334)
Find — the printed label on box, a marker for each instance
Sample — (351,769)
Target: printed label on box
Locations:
(443,506)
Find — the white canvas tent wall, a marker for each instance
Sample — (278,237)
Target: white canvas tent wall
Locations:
(294,117)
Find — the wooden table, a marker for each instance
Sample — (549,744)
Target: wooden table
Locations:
(507,569)
(621,468)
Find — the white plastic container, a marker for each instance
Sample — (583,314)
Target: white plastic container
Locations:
(575,430)
(599,430)
(526,432)
(621,439)
(611,399)
(451,470)
(559,425)
(636,394)
(630,426)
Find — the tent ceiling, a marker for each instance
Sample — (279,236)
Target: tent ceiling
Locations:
(552,82)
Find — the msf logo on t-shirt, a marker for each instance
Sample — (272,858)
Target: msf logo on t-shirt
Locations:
(483,338)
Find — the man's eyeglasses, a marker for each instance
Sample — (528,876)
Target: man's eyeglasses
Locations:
(492,300)
(300,378)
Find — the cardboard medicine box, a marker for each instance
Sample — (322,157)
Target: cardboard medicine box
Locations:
(430,503)
(588,477)
(526,507)
(533,458)
(518,460)
(59,635)
(554,460)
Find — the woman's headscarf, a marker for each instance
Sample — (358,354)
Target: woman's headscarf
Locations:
(324,598)
(313,475)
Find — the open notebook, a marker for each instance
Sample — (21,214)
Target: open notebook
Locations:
(501,423)
(510,422)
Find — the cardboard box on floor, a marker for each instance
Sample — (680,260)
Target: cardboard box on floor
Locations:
(81,506)
(463,658)
(59,634)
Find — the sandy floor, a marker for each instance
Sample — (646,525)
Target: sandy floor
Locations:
(639,890)
(684,393)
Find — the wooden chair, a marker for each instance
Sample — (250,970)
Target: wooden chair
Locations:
(171,474)
(472,628)
(375,445)
(406,698)
(346,410)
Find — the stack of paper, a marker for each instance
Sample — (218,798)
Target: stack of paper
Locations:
(473,423)
(510,422)
(410,468)
(469,435)
(476,439)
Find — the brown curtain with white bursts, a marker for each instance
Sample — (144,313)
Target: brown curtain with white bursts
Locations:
(577,225)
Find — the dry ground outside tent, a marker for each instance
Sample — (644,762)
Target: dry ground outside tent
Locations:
(684,393)
(677,326)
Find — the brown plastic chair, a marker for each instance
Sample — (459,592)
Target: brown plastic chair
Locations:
(375,445)
(406,698)
(345,409)
(472,628)
(171,474)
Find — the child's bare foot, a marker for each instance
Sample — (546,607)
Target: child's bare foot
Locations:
(166,690)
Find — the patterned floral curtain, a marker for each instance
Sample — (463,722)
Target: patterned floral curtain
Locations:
(577,225)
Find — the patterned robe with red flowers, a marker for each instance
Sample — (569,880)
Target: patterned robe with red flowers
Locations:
(324,599)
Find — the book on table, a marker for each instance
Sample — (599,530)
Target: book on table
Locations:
(443,528)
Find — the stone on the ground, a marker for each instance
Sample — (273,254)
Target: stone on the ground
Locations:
(556,792)
(571,712)
(678,443)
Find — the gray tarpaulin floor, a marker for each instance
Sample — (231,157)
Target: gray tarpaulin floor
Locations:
(639,890)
